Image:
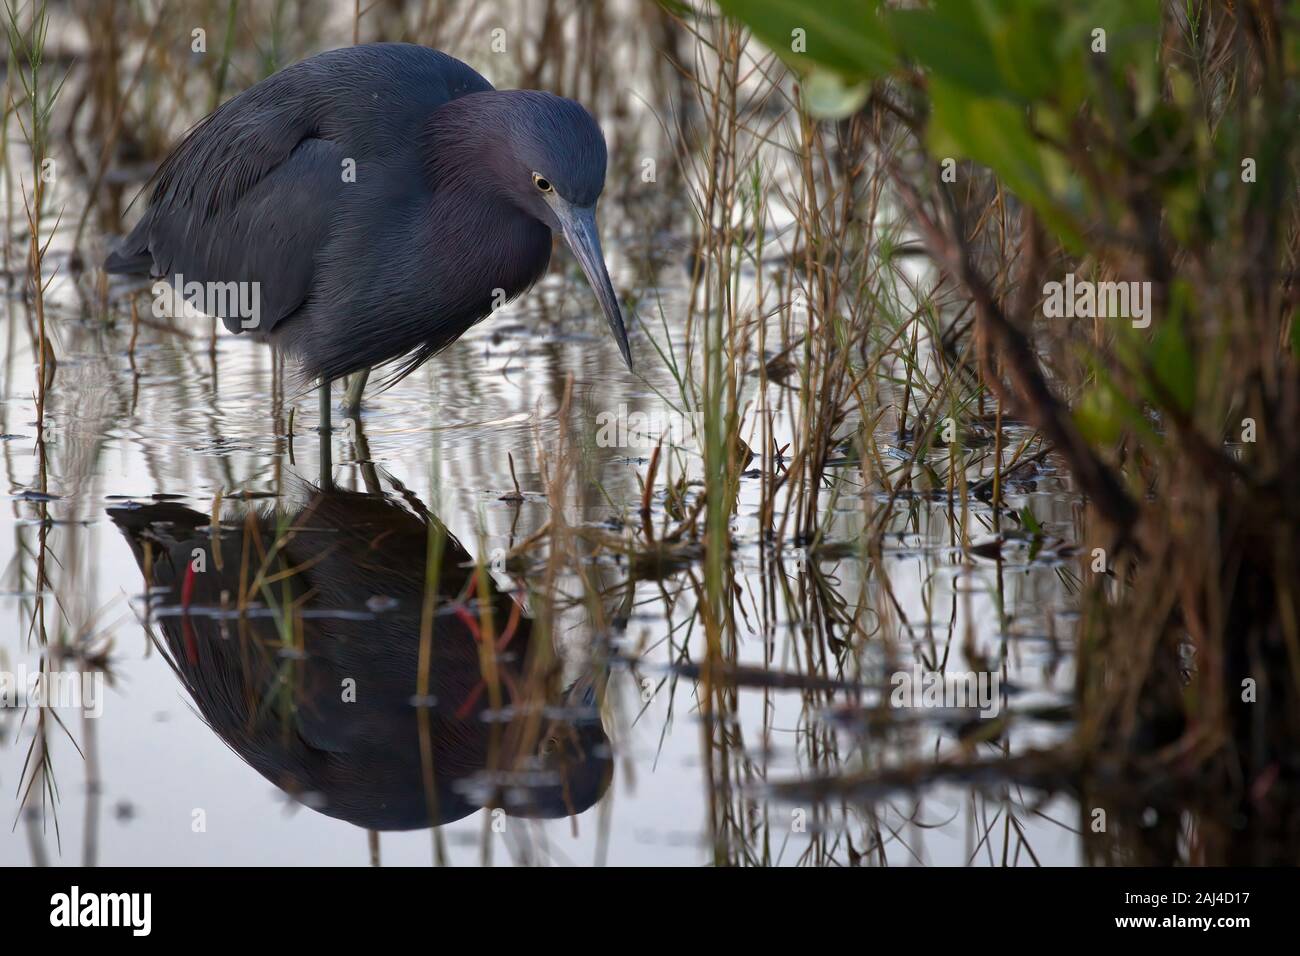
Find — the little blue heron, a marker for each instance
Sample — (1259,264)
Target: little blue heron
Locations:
(377,200)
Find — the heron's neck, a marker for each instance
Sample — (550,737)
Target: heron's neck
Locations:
(499,250)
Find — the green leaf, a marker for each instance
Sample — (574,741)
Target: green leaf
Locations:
(1132,28)
(1030,523)
(1097,418)
(846,36)
(949,41)
(1132,57)
(1172,362)
(1022,35)
(828,96)
(1103,413)
(996,133)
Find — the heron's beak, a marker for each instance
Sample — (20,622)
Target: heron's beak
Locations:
(580,230)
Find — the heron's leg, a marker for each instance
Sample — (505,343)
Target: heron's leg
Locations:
(356,385)
(326,458)
(367,465)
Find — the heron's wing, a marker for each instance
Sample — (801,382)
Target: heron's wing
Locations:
(244,198)
(265,240)
(250,194)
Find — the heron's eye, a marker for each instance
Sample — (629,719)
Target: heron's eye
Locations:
(543,184)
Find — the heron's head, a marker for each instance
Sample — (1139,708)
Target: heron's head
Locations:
(572,763)
(551,164)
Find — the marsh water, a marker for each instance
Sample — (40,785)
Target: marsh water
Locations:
(224,729)
(178,420)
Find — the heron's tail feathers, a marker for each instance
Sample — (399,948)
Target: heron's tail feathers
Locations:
(129,260)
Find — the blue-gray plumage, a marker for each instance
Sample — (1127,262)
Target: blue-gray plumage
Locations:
(458,190)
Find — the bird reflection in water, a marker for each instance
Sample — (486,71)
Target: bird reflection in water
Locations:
(298,634)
